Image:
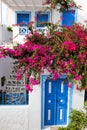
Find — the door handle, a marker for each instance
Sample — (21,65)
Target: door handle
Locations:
(61,100)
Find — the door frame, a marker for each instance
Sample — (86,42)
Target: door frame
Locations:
(70,97)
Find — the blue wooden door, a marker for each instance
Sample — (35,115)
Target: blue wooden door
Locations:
(56,99)
(22,18)
(68,18)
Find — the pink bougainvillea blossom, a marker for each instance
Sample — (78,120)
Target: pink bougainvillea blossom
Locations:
(28,88)
(69,45)
(33,81)
(60,51)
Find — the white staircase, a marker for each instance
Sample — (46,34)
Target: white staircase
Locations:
(15,93)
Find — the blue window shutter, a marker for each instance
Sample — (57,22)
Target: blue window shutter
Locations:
(23,18)
(68,18)
(41,18)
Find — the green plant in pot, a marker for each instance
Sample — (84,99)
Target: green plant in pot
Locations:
(9,28)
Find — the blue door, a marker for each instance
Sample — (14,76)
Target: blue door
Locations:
(68,18)
(56,99)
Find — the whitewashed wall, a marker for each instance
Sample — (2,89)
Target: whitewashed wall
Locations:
(82,13)
(78,99)
(8,15)
(14,118)
(29,117)
(7,18)
(5,35)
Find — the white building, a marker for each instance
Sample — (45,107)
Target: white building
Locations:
(40,110)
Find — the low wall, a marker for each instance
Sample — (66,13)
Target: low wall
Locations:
(14,117)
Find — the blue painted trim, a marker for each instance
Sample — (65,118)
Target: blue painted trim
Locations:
(43,79)
(71,99)
(13,95)
(76,14)
(48,12)
(22,12)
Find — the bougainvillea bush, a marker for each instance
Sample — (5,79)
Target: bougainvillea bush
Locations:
(60,50)
(60,5)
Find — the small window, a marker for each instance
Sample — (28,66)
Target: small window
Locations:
(23,17)
(42,19)
(68,18)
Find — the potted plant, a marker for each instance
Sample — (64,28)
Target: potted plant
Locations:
(9,28)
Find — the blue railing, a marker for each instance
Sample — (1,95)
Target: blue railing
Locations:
(14,99)
(24,30)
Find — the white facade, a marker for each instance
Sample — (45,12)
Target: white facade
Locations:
(29,117)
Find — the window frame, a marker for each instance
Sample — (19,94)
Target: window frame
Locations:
(47,12)
(76,13)
(23,12)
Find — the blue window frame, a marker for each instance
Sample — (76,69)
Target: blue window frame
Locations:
(24,17)
(42,18)
(68,17)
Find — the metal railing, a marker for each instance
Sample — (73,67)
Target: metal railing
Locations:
(14,99)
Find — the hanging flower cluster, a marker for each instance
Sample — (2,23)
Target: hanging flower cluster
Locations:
(59,50)
(61,5)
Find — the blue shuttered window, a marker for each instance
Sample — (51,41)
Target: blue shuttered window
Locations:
(68,18)
(23,18)
(42,18)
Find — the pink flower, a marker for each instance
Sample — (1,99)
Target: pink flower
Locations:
(72,5)
(28,88)
(35,18)
(78,77)
(78,88)
(62,18)
(18,52)
(69,85)
(33,81)
(79,6)
(69,45)
(18,76)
